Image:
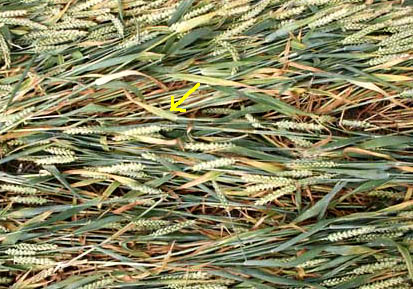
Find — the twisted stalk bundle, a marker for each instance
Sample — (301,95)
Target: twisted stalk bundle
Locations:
(291,167)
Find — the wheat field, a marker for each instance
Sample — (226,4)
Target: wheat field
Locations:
(289,166)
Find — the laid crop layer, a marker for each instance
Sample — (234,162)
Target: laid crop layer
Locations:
(290,168)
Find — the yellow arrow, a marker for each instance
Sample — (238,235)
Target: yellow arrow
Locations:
(174,106)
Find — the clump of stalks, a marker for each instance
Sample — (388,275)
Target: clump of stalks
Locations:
(290,168)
